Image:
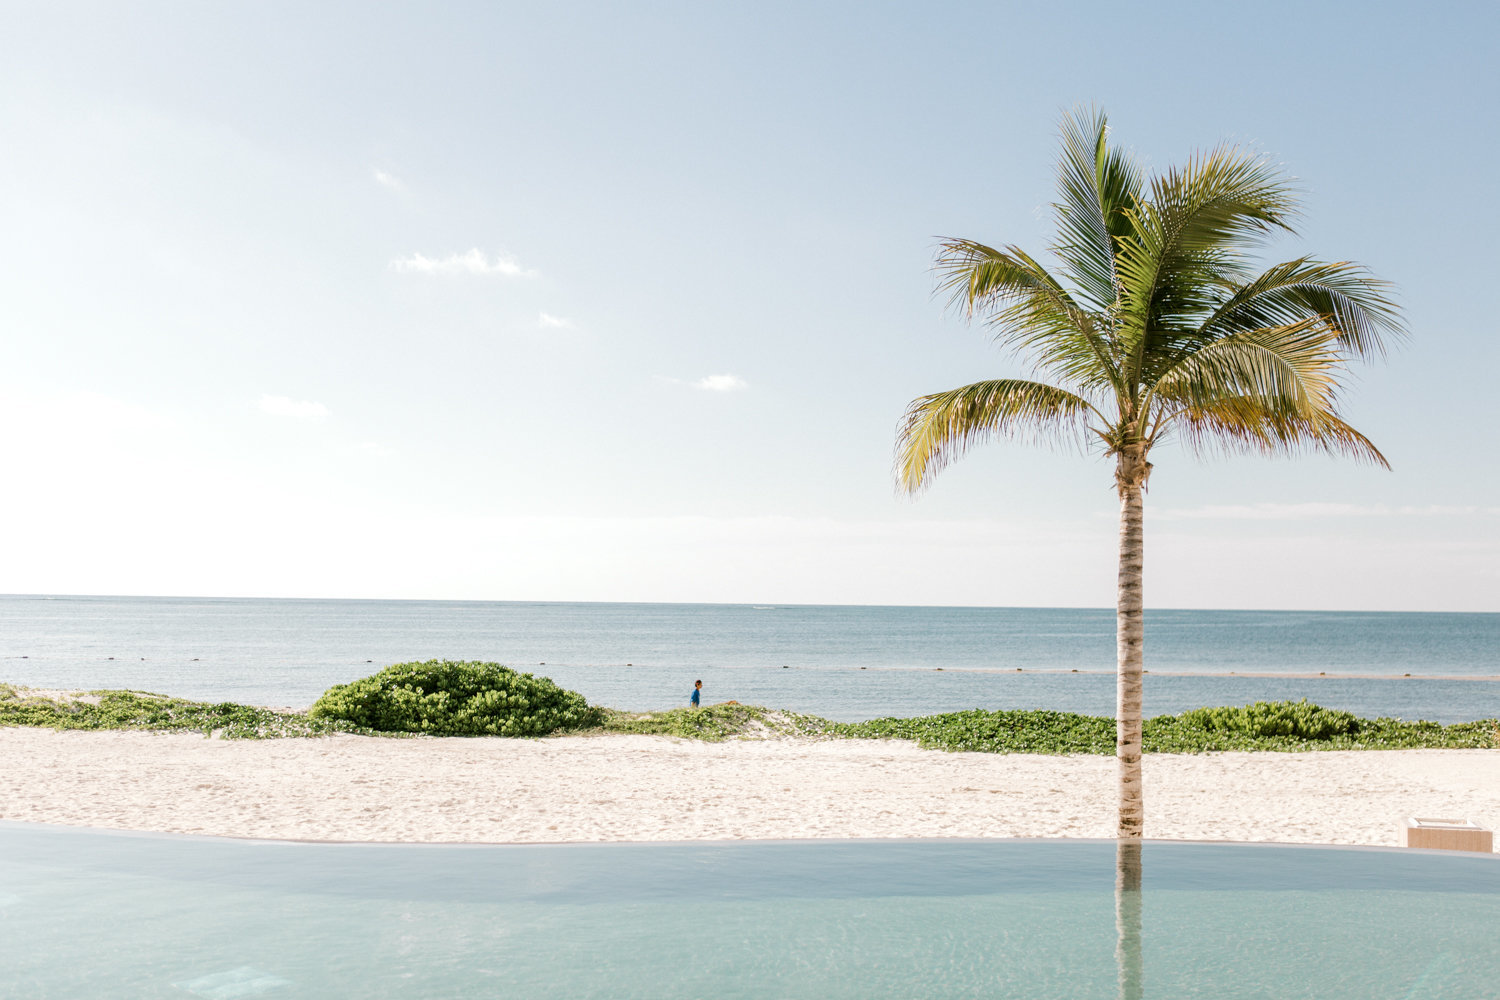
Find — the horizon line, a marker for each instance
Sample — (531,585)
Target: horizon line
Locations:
(769,605)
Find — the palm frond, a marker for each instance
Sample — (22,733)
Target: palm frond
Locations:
(1354,305)
(1292,370)
(1097,186)
(1243,425)
(938,429)
(1191,237)
(1030,310)
(979,277)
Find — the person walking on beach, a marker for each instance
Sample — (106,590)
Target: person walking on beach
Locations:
(697,687)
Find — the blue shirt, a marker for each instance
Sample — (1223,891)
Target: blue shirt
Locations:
(695,697)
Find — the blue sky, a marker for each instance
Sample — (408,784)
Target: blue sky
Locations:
(623,302)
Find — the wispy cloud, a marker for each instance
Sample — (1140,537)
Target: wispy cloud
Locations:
(285,406)
(476,261)
(547,321)
(389,181)
(721,383)
(1308,511)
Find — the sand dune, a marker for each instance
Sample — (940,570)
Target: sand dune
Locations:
(611,788)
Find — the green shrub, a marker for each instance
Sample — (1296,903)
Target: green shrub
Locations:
(1276,718)
(448,698)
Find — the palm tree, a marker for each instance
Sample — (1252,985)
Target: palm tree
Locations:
(1154,322)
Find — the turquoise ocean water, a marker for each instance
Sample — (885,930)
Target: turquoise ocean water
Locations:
(841,662)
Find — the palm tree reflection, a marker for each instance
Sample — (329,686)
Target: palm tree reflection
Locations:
(1128,918)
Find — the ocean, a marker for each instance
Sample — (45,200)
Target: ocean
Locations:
(840,662)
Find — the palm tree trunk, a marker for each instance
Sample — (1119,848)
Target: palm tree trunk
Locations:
(1129,636)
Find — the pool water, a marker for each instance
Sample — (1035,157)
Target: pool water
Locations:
(99,914)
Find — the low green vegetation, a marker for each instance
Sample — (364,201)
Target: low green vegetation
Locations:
(1037,731)
(141,710)
(715,723)
(452,698)
(1283,726)
(446,699)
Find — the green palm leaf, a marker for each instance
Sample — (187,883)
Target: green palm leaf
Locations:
(1291,369)
(1029,309)
(1352,303)
(938,429)
(1099,187)
(1191,237)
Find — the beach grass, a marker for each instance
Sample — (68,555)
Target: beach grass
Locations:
(1250,728)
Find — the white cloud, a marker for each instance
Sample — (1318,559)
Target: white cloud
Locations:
(285,406)
(721,383)
(547,321)
(1306,511)
(375,449)
(476,261)
(389,181)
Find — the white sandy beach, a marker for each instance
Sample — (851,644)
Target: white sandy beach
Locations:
(616,788)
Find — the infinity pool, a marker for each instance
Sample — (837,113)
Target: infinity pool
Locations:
(92,914)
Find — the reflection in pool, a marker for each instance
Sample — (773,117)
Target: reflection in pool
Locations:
(99,914)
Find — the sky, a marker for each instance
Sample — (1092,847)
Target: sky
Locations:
(623,302)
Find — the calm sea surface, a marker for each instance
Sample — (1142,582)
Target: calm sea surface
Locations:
(840,662)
